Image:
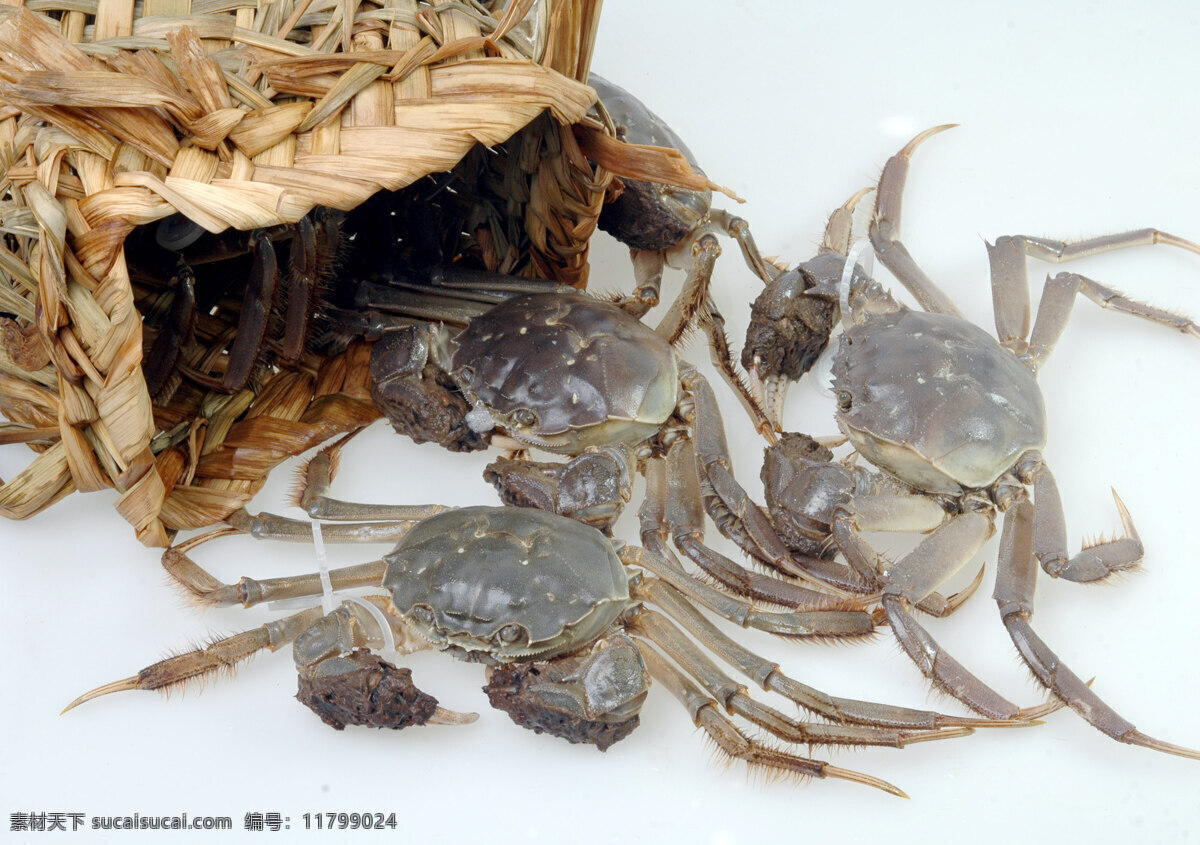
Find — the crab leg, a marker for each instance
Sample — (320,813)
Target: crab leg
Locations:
(706,714)
(221,655)
(1010,289)
(684,517)
(803,624)
(165,351)
(1093,563)
(1015,583)
(301,290)
(207,590)
(885,230)
(447,294)
(735,514)
(914,576)
(252,325)
(694,306)
(648,266)
(268,526)
(1010,293)
(313,497)
(738,229)
(1058,298)
(768,675)
(444,294)
(891,511)
(248,592)
(713,324)
(354,629)
(733,697)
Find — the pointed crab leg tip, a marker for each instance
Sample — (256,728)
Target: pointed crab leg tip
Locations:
(1126,519)
(912,145)
(1139,738)
(852,203)
(115,686)
(1182,243)
(442,716)
(864,779)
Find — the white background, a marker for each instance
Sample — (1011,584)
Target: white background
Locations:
(1077,119)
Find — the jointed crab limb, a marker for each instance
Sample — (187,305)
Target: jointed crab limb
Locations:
(172,335)
(885,228)
(221,655)
(739,230)
(768,675)
(791,624)
(686,308)
(871,513)
(706,714)
(942,606)
(909,581)
(1015,583)
(252,325)
(733,697)
(313,249)
(1092,563)
(722,358)
(693,307)
(683,516)
(1058,299)
(313,496)
(817,623)
(648,267)
(1011,286)
(734,513)
(340,679)
(1010,290)
(268,526)
(249,591)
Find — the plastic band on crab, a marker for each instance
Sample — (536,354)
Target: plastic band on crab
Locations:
(330,596)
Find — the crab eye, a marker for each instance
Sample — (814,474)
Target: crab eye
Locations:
(466,373)
(843,400)
(511,634)
(421,615)
(524,418)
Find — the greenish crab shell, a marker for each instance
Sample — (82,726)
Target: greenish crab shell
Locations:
(566,371)
(935,400)
(513,583)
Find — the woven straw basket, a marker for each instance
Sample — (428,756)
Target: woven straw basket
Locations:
(243,115)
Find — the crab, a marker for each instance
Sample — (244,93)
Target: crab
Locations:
(541,364)
(567,373)
(951,424)
(408,237)
(570,624)
(669,225)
